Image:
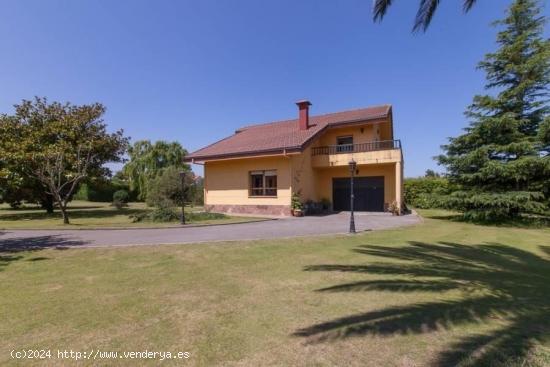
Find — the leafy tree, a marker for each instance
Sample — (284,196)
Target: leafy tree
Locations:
(167,189)
(544,136)
(424,15)
(16,187)
(147,161)
(502,160)
(431,173)
(196,191)
(59,145)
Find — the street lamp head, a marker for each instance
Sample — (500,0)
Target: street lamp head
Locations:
(352,165)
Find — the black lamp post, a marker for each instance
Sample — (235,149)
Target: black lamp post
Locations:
(182,176)
(352,167)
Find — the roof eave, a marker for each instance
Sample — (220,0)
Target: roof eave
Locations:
(249,154)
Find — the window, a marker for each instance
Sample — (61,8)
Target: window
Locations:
(263,183)
(344,144)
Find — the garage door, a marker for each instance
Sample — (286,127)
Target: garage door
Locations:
(369,194)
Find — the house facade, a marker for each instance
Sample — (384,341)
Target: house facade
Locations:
(257,169)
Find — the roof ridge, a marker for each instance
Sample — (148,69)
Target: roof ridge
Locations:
(387,105)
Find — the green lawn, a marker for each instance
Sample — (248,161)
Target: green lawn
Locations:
(87,215)
(441,293)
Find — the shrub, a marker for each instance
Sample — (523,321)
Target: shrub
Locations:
(164,212)
(169,214)
(420,192)
(325,204)
(99,190)
(312,207)
(122,196)
(296,203)
(394,208)
(167,186)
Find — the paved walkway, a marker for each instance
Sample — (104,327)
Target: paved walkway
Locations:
(14,240)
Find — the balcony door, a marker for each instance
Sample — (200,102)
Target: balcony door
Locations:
(344,144)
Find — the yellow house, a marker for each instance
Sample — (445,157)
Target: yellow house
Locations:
(257,169)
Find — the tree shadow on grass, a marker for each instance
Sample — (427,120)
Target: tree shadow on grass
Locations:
(500,284)
(13,249)
(75,213)
(42,210)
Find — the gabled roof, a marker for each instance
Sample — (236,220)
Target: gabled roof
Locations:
(283,136)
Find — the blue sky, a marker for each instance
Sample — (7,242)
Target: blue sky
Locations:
(194,71)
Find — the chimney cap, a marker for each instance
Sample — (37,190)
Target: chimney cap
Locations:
(303,102)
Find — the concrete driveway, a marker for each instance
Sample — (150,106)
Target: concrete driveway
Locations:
(14,240)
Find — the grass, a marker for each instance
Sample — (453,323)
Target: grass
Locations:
(442,293)
(91,215)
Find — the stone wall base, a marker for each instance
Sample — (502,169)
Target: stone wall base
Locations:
(275,210)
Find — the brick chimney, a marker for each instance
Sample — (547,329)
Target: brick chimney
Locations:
(303,107)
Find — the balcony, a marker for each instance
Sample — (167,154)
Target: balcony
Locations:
(374,152)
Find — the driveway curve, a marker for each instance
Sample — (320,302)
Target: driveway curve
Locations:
(17,240)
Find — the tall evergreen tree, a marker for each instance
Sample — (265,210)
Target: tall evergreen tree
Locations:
(502,160)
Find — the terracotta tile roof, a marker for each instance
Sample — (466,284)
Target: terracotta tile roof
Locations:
(282,136)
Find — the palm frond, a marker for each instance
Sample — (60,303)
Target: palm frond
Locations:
(425,13)
(379,9)
(468,5)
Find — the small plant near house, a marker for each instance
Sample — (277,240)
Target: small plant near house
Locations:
(394,208)
(311,207)
(325,204)
(316,207)
(120,199)
(296,205)
(166,213)
(163,212)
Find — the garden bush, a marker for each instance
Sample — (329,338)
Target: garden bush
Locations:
(163,212)
(100,190)
(166,186)
(421,192)
(120,198)
(171,214)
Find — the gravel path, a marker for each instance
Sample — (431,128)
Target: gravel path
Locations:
(14,240)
